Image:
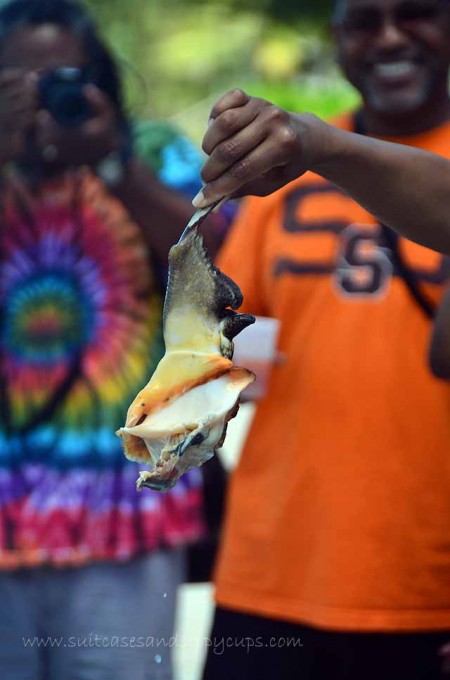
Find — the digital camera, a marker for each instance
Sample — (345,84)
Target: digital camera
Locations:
(61,93)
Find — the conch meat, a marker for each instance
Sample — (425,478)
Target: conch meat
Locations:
(179,419)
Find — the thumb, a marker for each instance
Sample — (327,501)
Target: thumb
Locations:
(97,100)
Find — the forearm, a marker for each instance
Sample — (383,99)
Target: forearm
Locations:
(439,355)
(254,147)
(405,188)
(160,212)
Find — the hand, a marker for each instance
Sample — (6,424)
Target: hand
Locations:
(18,102)
(254,147)
(86,144)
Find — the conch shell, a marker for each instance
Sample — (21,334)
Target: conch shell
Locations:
(179,419)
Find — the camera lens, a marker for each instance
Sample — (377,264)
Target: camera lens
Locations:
(68,105)
(62,95)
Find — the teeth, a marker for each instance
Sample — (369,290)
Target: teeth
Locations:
(394,69)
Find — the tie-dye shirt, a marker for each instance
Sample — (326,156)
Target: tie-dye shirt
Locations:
(80,334)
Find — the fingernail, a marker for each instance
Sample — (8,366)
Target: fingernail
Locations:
(200,201)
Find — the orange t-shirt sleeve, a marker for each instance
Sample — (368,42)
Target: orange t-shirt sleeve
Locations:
(240,257)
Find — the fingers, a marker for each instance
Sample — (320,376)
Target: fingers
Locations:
(102,112)
(12,76)
(227,119)
(47,134)
(226,123)
(231,100)
(103,122)
(18,103)
(244,142)
(233,134)
(98,101)
(19,80)
(18,109)
(83,144)
(245,172)
(18,90)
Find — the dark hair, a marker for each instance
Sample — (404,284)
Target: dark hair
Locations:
(73,17)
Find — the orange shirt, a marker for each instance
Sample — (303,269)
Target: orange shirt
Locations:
(339,510)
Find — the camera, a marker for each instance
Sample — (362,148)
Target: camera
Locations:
(61,94)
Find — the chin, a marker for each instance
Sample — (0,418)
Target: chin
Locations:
(397,104)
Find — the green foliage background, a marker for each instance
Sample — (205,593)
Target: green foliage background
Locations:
(178,56)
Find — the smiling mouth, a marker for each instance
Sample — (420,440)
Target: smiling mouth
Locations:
(395,71)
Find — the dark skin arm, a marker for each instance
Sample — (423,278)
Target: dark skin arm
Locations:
(439,356)
(255,147)
(17,111)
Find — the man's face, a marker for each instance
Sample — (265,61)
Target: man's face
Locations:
(395,52)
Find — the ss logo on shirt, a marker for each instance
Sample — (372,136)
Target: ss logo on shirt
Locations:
(363,267)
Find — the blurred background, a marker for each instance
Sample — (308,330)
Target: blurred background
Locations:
(177,58)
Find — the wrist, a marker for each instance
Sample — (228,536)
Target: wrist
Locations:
(321,143)
(333,148)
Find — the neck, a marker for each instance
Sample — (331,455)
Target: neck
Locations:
(423,119)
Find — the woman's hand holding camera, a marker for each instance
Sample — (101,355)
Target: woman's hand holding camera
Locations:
(18,106)
(21,113)
(85,144)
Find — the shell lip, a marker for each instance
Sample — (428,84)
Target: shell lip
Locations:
(161,397)
(133,427)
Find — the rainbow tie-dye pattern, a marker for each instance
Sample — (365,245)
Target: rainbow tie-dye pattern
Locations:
(81,317)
